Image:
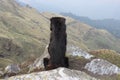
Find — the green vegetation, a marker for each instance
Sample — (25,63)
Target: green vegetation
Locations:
(100,39)
(77,63)
(23,33)
(5,62)
(113,77)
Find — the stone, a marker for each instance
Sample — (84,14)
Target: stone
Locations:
(56,74)
(76,51)
(57,45)
(102,67)
(1,73)
(12,69)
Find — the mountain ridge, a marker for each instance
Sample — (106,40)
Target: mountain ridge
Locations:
(111,25)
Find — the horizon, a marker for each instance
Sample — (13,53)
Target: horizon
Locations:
(94,9)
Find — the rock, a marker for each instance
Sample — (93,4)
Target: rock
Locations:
(1,73)
(102,67)
(76,51)
(12,69)
(56,74)
(57,45)
(71,50)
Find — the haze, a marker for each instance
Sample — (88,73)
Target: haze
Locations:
(95,9)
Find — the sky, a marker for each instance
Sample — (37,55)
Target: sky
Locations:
(94,9)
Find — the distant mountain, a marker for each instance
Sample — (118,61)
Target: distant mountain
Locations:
(112,25)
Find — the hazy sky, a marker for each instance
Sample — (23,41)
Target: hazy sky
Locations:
(95,9)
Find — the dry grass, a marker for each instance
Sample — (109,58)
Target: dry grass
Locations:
(77,63)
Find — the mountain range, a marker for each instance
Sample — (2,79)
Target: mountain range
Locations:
(111,25)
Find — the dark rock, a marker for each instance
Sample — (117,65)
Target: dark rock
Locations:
(46,61)
(2,56)
(57,45)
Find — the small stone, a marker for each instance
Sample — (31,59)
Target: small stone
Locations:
(12,69)
(1,73)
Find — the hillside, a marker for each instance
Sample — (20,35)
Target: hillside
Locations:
(112,25)
(88,37)
(24,33)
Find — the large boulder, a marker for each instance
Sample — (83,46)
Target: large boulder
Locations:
(57,45)
(102,67)
(56,74)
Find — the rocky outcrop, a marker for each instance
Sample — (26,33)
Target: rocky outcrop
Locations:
(57,45)
(73,63)
(1,73)
(102,67)
(76,51)
(12,69)
(56,74)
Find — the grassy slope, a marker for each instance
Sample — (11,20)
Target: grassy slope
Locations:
(25,28)
(5,62)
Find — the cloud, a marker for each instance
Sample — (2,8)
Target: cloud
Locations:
(92,8)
